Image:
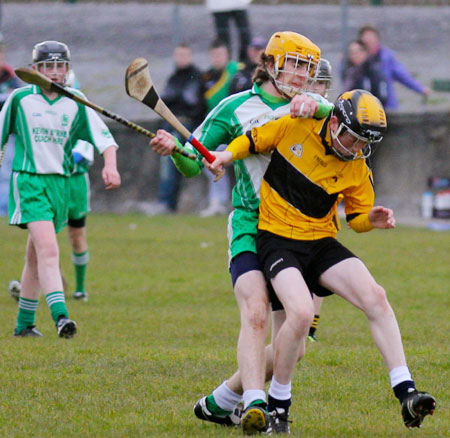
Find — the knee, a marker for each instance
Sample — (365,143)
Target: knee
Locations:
(376,300)
(255,311)
(300,319)
(48,252)
(257,314)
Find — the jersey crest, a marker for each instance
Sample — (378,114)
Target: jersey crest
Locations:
(297,149)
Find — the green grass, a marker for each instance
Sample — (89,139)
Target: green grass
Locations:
(161,326)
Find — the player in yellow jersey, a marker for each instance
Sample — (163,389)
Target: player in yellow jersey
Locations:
(312,163)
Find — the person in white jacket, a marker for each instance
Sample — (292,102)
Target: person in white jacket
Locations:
(225,11)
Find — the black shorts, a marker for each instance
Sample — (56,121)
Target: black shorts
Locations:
(310,257)
(242,263)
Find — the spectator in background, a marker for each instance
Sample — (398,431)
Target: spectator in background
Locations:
(243,78)
(361,72)
(223,12)
(216,84)
(183,94)
(391,68)
(8,82)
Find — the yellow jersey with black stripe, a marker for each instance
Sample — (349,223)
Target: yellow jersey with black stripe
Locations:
(301,186)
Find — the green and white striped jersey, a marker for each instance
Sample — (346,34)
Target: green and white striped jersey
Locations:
(47,131)
(234,116)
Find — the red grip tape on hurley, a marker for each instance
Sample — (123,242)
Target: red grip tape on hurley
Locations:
(197,145)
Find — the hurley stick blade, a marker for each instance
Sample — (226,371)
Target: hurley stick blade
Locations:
(138,82)
(31,76)
(139,85)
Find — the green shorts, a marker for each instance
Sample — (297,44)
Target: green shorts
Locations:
(242,230)
(80,196)
(34,197)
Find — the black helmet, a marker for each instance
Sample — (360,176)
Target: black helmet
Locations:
(361,114)
(324,76)
(324,72)
(50,51)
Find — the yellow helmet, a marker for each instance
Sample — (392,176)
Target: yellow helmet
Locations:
(285,45)
(361,114)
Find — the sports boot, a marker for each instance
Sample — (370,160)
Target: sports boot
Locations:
(80,296)
(416,407)
(255,419)
(280,421)
(14,289)
(66,327)
(28,332)
(202,412)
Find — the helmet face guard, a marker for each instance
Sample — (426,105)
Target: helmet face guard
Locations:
(298,60)
(362,120)
(324,77)
(52,57)
(302,55)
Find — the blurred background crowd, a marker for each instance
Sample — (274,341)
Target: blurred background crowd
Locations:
(199,53)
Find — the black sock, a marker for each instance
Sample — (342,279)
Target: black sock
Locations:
(402,390)
(275,403)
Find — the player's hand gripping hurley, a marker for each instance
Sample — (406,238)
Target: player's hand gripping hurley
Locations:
(139,85)
(36,78)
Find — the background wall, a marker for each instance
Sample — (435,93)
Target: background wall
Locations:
(105,37)
(415,148)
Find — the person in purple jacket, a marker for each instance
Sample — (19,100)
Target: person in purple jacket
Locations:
(390,66)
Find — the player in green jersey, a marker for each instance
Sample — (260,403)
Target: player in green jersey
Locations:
(47,127)
(286,69)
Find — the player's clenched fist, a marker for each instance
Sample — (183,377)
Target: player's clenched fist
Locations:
(163,143)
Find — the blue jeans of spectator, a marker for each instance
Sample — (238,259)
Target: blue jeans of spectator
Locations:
(169,177)
(169,183)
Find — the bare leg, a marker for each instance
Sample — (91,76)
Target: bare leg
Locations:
(317,304)
(351,280)
(289,342)
(77,237)
(30,277)
(250,291)
(45,253)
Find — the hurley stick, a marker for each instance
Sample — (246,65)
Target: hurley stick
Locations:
(139,85)
(34,77)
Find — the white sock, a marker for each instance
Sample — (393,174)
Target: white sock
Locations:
(225,397)
(252,395)
(280,391)
(399,375)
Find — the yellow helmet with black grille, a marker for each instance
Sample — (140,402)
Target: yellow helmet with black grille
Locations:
(291,45)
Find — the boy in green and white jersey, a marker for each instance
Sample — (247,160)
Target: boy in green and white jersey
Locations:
(286,68)
(47,127)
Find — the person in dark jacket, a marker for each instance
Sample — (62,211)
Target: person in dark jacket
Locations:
(184,95)
(360,72)
(242,80)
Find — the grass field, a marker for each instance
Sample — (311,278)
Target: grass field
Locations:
(161,326)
